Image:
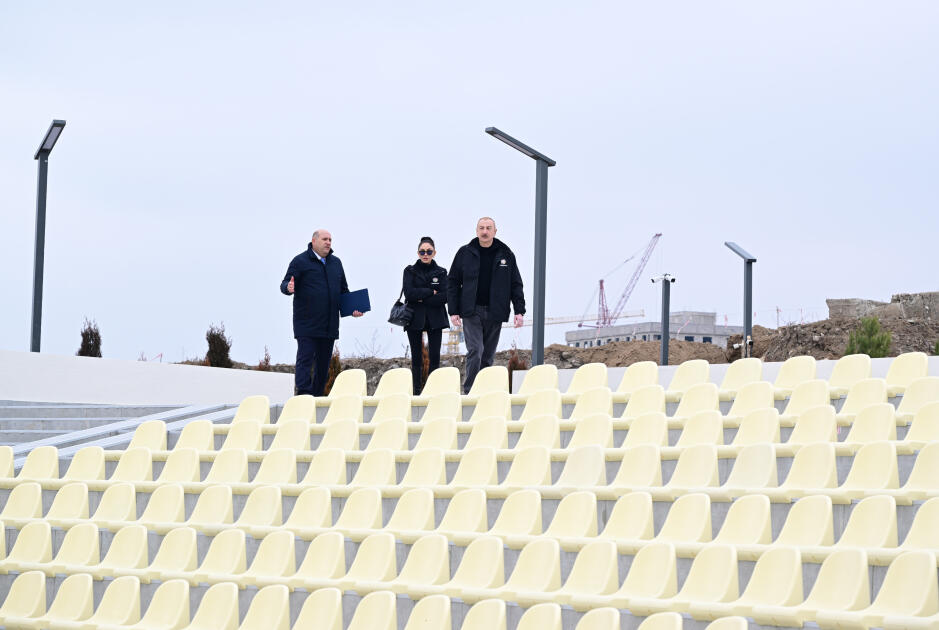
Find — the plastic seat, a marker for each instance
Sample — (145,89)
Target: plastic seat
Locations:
(776,581)
(349,382)
(430,613)
(87,465)
(545,616)
(530,467)
(488,614)
(848,370)
(639,468)
(393,381)
(391,434)
(599,619)
(128,550)
(253,408)
(924,532)
(426,468)
(805,396)
(924,427)
(375,611)
(598,400)
(649,428)
(630,518)
(712,578)
(413,512)
(809,523)
(393,406)
(218,609)
(169,607)
(585,467)
(262,508)
(300,408)
(842,585)
(758,427)
(362,510)
(874,468)
(813,468)
(520,515)
(374,562)
(245,435)
(119,606)
(492,404)
(636,376)
(873,524)
(739,374)
(230,466)
(33,546)
(321,609)
(537,379)
(908,590)
(311,511)
(449,406)
(428,562)
(135,464)
(595,430)
(905,369)
(494,378)
(921,392)
(648,399)
(662,621)
(324,562)
(24,502)
(466,512)
(225,557)
(117,507)
(150,434)
(588,376)
(275,558)
(488,432)
(6,462)
(377,468)
(70,504)
(481,567)
(176,555)
(696,468)
(344,408)
(575,516)
(701,397)
(868,391)
(704,427)
(198,434)
(652,575)
(747,522)
(439,433)
(537,570)
(79,550)
(181,466)
(213,508)
(754,470)
(874,423)
(41,463)
(687,375)
(342,435)
(26,598)
(818,424)
(443,380)
(751,397)
(278,466)
(688,520)
(477,467)
(540,431)
(293,433)
(793,372)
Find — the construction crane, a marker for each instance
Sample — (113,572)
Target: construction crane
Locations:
(605,316)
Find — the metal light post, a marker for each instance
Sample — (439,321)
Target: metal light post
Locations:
(748,260)
(42,154)
(666,281)
(542,162)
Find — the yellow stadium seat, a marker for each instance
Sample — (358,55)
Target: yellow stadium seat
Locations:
(24,502)
(391,434)
(428,563)
(466,512)
(924,427)
(538,378)
(278,466)
(545,616)
(321,609)
(813,468)
(648,399)
(413,512)
(362,510)
(586,377)
(150,434)
(638,375)
(842,585)
(26,598)
(481,567)
(793,372)
(594,573)
(169,607)
(198,435)
(593,401)
(872,525)
(805,396)
(809,523)
(640,468)
(430,613)
(585,467)
(181,466)
(649,428)
(393,407)
(696,468)
(328,467)
(41,463)
(740,373)
(70,504)
(905,369)
(262,509)
(747,522)
(300,408)
(599,619)
(701,397)
(117,507)
(921,392)
(652,576)
(848,370)
(488,432)
(443,380)
(492,404)
(595,430)
(866,392)
(135,464)
(758,427)
(311,511)
(630,518)
(818,424)
(662,621)
(530,467)
(377,468)
(874,423)
(376,611)
(520,515)
(924,532)
(687,375)
(253,408)
(712,579)
(119,606)
(537,570)
(213,508)
(79,550)
(176,555)
(540,431)
(754,470)
(33,546)
(704,427)
(448,406)
(477,467)
(426,468)
(494,378)
(324,563)
(488,614)
(439,433)
(293,433)
(344,408)
(776,581)
(229,466)
(688,520)
(874,468)
(245,435)
(394,382)
(751,397)
(546,402)
(373,562)
(729,623)
(341,434)
(352,382)
(128,550)
(225,556)
(908,590)
(274,559)
(218,609)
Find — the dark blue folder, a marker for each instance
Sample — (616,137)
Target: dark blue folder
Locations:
(354,301)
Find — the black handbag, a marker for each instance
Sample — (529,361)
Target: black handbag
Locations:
(401,313)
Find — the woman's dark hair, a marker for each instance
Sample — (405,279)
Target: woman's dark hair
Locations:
(427,239)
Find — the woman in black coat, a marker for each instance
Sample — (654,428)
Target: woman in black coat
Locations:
(425,290)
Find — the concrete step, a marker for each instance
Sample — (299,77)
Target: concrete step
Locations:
(27,435)
(81,411)
(55,424)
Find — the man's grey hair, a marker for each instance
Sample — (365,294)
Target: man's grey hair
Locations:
(486,219)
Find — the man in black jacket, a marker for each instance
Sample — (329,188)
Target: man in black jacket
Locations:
(483,280)
(315,279)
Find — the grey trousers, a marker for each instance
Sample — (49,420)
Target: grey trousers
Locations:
(481,337)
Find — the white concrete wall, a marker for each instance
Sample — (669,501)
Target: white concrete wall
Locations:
(29,376)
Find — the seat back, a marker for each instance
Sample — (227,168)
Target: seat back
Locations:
(653,572)
(755,467)
(426,468)
(874,468)
(704,427)
(443,380)
(588,376)
(630,518)
(606,618)
(25,501)
(688,520)
(751,397)
(466,512)
(848,370)
(300,408)
(924,532)
(328,467)
(909,587)
(874,423)
(118,503)
(597,400)
(817,424)
(244,435)
(639,468)
(742,372)
(254,408)
(312,509)
(748,522)
(70,502)
(428,562)
(520,514)
(530,467)
(647,399)
(662,621)
(575,516)
(539,378)
(806,395)
(873,524)
(925,425)
(395,381)
(214,506)
(341,434)
(292,433)
(495,403)
(713,576)
(120,604)
(414,511)
(494,378)
(638,375)
(545,616)
(275,556)
(813,467)
(489,614)
(439,433)
(538,567)
(477,467)
(177,552)
(696,468)
(181,466)
(344,408)
(689,374)
(449,406)
(595,569)
(325,559)
(482,564)
(794,371)
(776,579)
(198,434)
(540,431)
(430,613)
(375,611)
(758,427)
(230,466)
(262,508)
(33,544)
(376,468)
(79,546)
(488,432)
(868,391)
(395,406)
(26,597)
(809,523)
(391,433)
(375,559)
(87,465)
(700,397)
(278,466)
(842,582)
(595,430)
(41,463)
(321,609)
(585,467)
(226,554)
(150,434)
(649,428)
(362,510)
(906,368)
(169,606)
(922,391)
(218,607)
(349,382)
(135,464)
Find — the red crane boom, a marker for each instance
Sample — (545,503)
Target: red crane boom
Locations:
(605,316)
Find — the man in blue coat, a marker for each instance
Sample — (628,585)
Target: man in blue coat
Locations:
(315,279)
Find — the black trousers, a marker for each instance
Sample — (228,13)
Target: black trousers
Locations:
(481,336)
(417,355)
(312,371)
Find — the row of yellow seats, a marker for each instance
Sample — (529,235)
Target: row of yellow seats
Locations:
(874,470)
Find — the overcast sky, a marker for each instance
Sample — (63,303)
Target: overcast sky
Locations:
(206,141)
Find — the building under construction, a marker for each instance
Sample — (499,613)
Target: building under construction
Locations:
(683,325)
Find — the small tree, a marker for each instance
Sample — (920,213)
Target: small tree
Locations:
(515,363)
(264,365)
(335,367)
(219,354)
(869,339)
(935,348)
(91,340)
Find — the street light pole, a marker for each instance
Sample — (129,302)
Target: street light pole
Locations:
(42,156)
(542,162)
(666,281)
(748,260)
